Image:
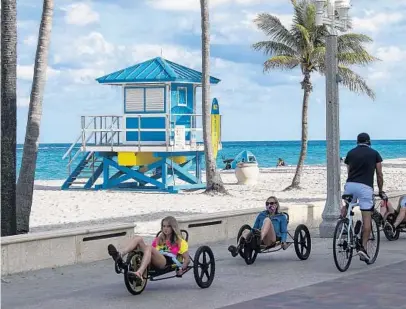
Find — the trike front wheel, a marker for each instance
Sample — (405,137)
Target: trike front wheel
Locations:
(134,285)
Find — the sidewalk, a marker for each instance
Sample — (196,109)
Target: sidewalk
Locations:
(281,275)
(381,288)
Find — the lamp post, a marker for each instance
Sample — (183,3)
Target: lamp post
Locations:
(333,14)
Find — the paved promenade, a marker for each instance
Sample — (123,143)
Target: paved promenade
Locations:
(276,280)
(374,289)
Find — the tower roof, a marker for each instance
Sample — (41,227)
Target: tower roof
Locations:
(155,70)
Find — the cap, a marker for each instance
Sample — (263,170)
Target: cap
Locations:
(363,138)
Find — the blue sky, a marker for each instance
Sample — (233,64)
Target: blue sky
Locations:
(93,38)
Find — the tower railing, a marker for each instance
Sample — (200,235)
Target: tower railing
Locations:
(108,131)
(102,125)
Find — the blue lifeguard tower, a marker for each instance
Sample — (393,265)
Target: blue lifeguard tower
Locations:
(156,143)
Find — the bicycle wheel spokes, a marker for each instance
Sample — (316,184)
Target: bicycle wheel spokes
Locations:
(373,242)
(342,249)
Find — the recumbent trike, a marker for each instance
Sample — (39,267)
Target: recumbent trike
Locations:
(203,266)
(252,247)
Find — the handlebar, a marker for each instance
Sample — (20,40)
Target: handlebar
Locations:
(385,198)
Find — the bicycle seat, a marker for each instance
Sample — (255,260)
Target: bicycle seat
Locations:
(347,197)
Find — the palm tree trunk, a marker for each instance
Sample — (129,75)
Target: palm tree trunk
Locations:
(307,88)
(214,183)
(8,116)
(26,178)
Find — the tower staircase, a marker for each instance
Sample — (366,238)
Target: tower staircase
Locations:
(90,166)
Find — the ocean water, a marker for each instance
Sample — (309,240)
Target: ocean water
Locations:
(51,166)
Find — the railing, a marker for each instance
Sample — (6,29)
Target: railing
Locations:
(108,131)
(101,130)
(110,124)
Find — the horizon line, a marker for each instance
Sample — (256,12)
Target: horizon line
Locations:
(234,141)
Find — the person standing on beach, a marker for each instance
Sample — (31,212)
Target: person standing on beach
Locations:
(362,163)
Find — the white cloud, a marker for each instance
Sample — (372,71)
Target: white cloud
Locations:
(87,51)
(84,76)
(391,54)
(25,72)
(93,44)
(194,5)
(30,40)
(392,58)
(374,22)
(245,93)
(286,19)
(80,14)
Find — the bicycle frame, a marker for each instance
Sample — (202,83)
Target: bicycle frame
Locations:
(350,228)
(350,217)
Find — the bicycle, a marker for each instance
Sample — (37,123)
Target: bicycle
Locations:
(348,237)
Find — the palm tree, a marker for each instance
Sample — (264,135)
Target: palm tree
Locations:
(25,184)
(303,46)
(214,183)
(8,116)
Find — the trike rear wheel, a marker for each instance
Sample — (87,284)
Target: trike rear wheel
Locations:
(303,242)
(204,267)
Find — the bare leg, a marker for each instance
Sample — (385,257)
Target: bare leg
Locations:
(383,209)
(389,210)
(366,227)
(133,244)
(151,255)
(400,218)
(268,235)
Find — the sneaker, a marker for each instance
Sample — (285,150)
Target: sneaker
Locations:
(390,228)
(286,245)
(363,255)
(233,250)
(115,255)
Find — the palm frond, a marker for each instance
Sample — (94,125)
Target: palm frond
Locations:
(282,62)
(305,40)
(304,14)
(317,57)
(310,17)
(304,46)
(355,82)
(356,58)
(304,27)
(272,48)
(352,42)
(298,13)
(273,28)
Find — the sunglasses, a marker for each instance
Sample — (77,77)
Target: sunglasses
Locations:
(270,203)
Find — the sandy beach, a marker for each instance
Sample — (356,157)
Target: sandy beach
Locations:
(53,208)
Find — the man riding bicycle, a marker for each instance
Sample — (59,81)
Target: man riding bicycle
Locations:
(362,163)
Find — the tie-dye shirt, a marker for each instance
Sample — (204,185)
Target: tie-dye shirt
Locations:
(171,248)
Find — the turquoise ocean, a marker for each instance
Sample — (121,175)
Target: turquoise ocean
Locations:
(51,166)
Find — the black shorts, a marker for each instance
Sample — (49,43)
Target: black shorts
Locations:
(169,260)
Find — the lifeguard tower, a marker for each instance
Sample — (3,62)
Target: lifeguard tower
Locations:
(156,144)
